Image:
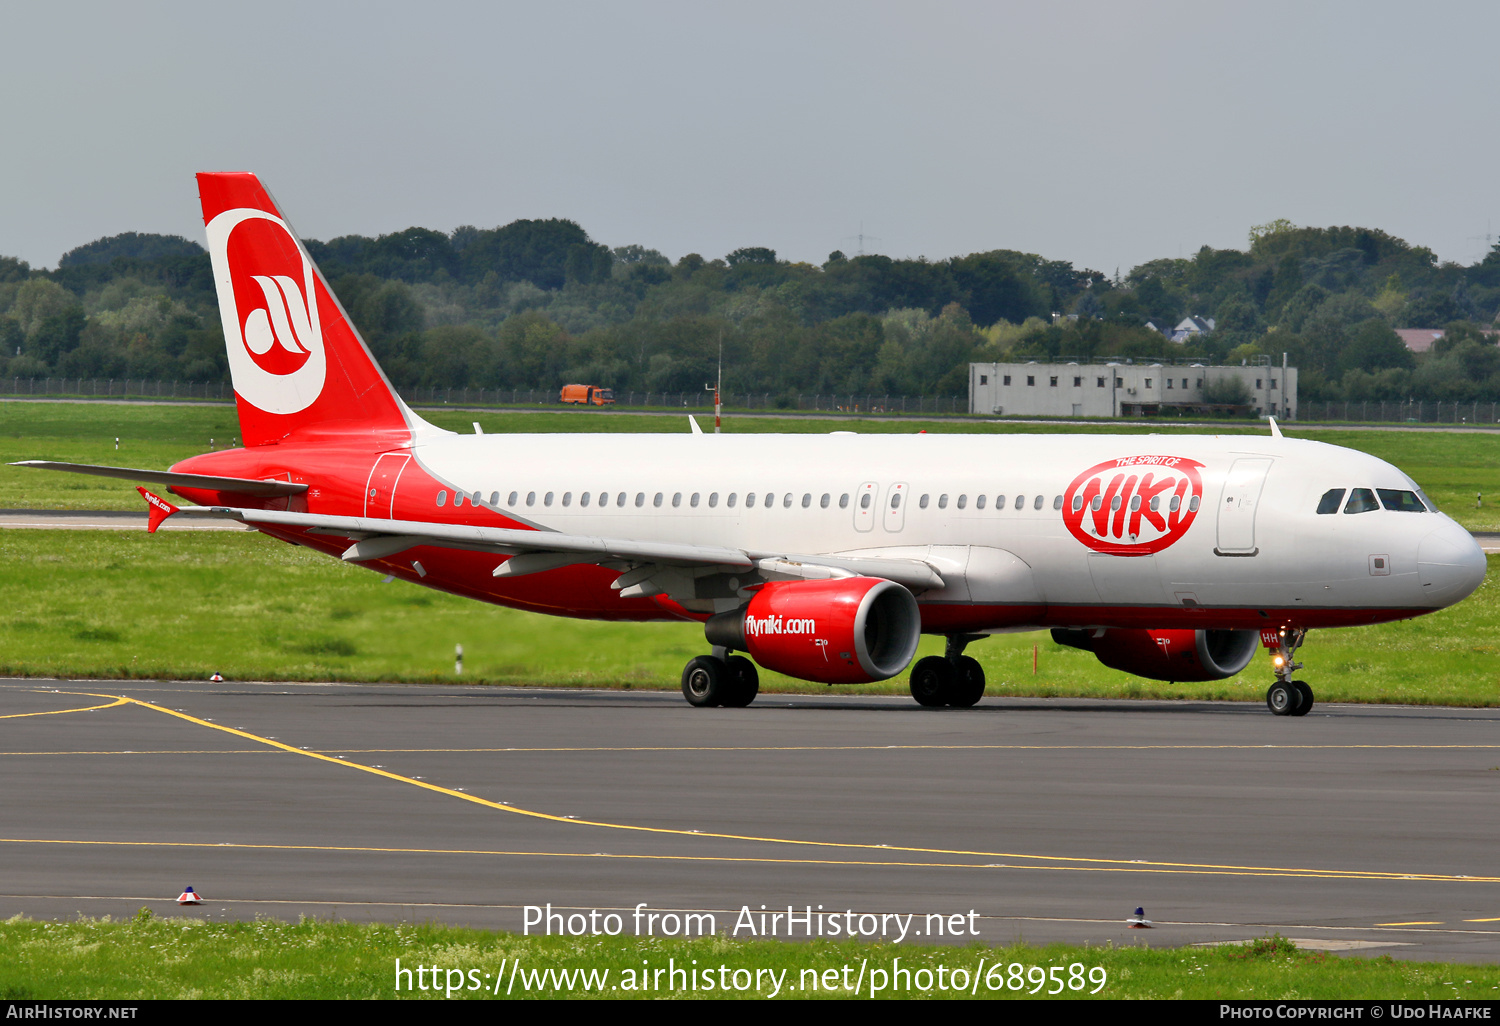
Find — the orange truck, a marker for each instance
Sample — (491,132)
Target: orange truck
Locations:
(587,395)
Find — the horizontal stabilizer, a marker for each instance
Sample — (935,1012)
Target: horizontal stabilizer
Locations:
(242,485)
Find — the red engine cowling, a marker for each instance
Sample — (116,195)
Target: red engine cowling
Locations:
(846,631)
(1178,655)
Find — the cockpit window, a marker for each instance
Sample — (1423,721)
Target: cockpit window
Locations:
(1400,501)
(1331,500)
(1361,500)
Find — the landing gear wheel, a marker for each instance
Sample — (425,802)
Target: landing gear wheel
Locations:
(968,684)
(1305,694)
(706,681)
(1283,698)
(744,682)
(933,681)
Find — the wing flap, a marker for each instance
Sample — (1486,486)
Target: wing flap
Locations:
(536,551)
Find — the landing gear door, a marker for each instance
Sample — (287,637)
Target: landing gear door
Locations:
(380,490)
(895,506)
(864,506)
(1237,507)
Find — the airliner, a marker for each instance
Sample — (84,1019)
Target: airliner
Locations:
(821,557)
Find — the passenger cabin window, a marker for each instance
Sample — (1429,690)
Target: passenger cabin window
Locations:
(749,500)
(1020,502)
(442,497)
(676,499)
(864,501)
(1331,500)
(1400,501)
(458,498)
(963,500)
(620,499)
(807,500)
(494,498)
(547,499)
(640,499)
(512,500)
(583,500)
(823,502)
(1057,502)
(999,502)
(713,499)
(922,502)
(1037,502)
(896,500)
(657,500)
(942,502)
(531,498)
(730,501)
(1361,500)
(979,502)
(844,501)
(693,502)
(786,500)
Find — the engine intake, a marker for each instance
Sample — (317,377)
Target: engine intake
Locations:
(846,631)
(1175,655)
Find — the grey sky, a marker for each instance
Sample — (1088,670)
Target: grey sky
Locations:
(1102,133)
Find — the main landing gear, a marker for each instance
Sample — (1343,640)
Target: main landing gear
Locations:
(720,679)
(1288,697)
(949,679)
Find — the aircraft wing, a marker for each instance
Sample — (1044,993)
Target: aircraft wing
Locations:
(243,485)
(536,551)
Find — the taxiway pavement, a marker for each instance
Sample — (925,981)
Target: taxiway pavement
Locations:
(1355,828)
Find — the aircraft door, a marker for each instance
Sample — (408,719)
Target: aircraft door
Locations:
(864,506)
(895,506)
(1242,490)
(380,490)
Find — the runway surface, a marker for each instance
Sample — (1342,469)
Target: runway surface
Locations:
(1356,828)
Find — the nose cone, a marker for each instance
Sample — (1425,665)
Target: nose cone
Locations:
(1450,565)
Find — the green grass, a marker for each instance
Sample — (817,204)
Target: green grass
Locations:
(1451,466)
(154,958)
(187,604)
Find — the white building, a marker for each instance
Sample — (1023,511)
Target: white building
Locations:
(1122,389)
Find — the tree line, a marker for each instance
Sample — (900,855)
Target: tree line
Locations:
(538,303)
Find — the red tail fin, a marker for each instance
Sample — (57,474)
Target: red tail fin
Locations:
(298,364)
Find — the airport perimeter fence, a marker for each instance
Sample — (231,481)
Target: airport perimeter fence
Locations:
(1352,411)
(135,388)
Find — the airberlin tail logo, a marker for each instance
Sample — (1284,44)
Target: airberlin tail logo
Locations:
(1134,505)
(268,305)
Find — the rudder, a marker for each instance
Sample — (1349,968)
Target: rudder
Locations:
(298,368)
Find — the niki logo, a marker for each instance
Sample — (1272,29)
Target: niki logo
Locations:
(275,343)
(1135,505)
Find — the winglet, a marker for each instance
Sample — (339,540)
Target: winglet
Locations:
(1275,431)
(693,421)
(159,510)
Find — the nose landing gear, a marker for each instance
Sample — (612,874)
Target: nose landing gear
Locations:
(949,679)
(1288,697)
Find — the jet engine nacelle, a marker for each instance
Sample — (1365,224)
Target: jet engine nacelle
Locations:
(1167,655)
(850,630)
